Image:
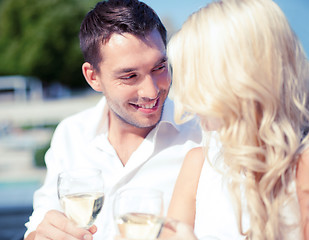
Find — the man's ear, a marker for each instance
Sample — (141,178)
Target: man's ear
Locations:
(91,77)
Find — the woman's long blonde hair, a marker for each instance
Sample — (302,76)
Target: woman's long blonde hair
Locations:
(239,62)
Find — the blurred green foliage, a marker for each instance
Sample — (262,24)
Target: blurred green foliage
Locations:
(40,38)
(39,153)
(39,156)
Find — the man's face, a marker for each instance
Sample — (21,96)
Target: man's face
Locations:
(134,78)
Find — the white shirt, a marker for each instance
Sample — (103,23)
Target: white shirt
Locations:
(215,214)
(81,141)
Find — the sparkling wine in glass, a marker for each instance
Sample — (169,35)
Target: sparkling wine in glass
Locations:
(138,213)
(81,195)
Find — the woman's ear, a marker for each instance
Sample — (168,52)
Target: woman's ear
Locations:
(91,77)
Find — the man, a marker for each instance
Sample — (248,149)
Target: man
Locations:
(128,135)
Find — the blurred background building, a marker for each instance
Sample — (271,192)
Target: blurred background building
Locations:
(41,83)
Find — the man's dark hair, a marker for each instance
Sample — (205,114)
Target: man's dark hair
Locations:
(116,16)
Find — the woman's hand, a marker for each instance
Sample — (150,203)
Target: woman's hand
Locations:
(173,230)
(178,231)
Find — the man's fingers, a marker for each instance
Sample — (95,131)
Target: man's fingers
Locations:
(57,226)
(50,232)
(93,229)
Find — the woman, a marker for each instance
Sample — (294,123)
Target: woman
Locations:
(239,66)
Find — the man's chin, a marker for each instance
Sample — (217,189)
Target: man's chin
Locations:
(148,124)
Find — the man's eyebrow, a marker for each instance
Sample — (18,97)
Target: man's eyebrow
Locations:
(162,60)
(128,70)
(124,70)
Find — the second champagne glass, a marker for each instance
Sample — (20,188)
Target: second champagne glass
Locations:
(138,213)
(81,195)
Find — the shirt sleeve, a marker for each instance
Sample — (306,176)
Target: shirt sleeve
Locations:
(46,197)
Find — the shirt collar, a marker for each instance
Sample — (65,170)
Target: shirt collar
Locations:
(95,120)
(168,114)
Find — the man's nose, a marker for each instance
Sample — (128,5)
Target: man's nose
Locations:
(149,88)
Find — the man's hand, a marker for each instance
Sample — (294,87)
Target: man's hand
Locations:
(56,225)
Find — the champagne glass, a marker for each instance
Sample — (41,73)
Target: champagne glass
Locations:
(81,195)
(138,213)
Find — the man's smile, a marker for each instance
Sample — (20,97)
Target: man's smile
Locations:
(147,106)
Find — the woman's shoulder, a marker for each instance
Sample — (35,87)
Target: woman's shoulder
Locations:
(197,153)
(191,168)
(195,158)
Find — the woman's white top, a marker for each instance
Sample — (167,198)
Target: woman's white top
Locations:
(215,214)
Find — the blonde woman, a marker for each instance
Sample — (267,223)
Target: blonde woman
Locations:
(239,66)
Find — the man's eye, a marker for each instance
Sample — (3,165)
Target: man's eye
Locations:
(128,76)
(160,67)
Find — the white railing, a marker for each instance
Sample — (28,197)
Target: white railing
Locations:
(20,88)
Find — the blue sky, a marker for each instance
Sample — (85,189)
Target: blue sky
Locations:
(297,12)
